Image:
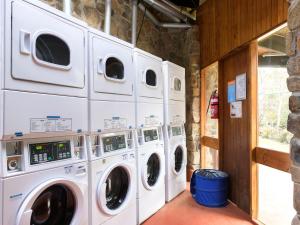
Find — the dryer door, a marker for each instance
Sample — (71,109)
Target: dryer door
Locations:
(115,189)
(46,48)
(176,85)
(149,77)
(55,203)
(112,67)
(152,171)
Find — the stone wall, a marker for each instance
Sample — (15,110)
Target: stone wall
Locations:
(178,46)
(293,83)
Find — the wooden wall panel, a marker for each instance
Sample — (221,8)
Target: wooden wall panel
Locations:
(237,137)
(228,24)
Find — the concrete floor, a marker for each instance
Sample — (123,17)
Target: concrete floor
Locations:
(183,210)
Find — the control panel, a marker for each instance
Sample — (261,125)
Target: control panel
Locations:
(176,131)
(50,151)
(150,135)
(114,143)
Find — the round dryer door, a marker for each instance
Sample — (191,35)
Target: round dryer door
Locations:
(57,202)
(114,190)
(152,171)
(178,156)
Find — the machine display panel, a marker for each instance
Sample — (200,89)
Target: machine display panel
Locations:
(50,151)
(176,131)
(150,135)
(114,143)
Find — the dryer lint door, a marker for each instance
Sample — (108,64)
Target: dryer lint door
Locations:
(149,77)
(112,67)
(46,48)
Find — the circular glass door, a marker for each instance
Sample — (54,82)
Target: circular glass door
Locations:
(54,206)
(117,187)
(178,157)
(153,169)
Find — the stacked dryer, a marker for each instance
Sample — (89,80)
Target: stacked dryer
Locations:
(43,116)
(150,144)
(112,158)
(174,120)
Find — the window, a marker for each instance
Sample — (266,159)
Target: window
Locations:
(177,84)
(178,157)
(209,127)
(273,95)
(114,68)
(52,49)
(151,78)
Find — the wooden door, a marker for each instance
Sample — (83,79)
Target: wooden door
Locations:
(237,136)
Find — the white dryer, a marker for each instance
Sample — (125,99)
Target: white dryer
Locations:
(45,182)
(174,132)
(112,187)
(150,144)
(111,80)
(44,89)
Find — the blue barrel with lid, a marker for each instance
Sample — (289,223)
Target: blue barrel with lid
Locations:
(210,187)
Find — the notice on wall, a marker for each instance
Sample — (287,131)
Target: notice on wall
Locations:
(241,86)
(231,91)
(236,109)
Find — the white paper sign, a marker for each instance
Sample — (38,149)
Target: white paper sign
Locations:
(236,109)
(241,87)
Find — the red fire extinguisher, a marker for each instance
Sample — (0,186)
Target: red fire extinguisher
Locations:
(214,105)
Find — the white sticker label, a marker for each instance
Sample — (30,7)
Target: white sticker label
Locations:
(50,125)
(152,120)
(115,123)
(177,119)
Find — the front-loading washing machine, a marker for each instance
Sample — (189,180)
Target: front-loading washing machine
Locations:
(44,88)
(45,181)
(174,132)
(149,135)
(112,185)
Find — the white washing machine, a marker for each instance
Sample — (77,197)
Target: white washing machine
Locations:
(44,88)
(112,157)
(112,185)
(174,131)
(150,143)
(45,181)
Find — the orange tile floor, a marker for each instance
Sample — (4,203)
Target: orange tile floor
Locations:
(183,210)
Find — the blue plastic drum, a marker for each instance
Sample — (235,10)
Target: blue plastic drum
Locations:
(210,187)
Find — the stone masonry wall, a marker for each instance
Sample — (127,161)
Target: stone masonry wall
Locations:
(293,83)
(176,45)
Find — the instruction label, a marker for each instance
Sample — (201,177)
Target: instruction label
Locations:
(152,120)
(177,119)
(115,123)
(38,125)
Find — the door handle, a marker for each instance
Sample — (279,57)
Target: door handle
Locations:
(100,66)
(25,42)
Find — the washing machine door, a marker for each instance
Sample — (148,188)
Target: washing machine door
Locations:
(56,202)
(177,160)
(115,189)
(152,171)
